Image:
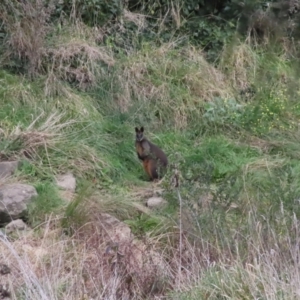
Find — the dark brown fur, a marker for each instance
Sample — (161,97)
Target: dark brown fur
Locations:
(154,159)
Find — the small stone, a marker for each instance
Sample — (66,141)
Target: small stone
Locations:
(14,199)
(15,225)
(4,269)
(154,202)
(66,182)
(4,292)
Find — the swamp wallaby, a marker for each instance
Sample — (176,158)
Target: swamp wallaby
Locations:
(154,159)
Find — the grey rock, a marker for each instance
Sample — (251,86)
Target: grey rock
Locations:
(117,230)
(66,182)
(7,168)
(15,225)
(119,233)
(154,202)
(14,199)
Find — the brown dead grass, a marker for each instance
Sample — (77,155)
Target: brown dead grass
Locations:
(101,260)
(171,82)
(138,19)
(77,62)
(239,63)
(34,137)
(72,56)
(147,76)
(27,25)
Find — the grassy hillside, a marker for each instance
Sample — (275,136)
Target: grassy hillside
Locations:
(230,129)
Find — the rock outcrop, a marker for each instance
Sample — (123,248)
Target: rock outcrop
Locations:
(66,182)
(7,168)
(14,199)
(155,202)
(15,225)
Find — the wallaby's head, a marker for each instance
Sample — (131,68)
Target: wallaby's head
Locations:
(139,134)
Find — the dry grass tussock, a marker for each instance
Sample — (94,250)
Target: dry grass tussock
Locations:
(74,57)
(240,64)
(102,260)
(138,19)
(44,131)
(76,62)
(71,55)
(245,67)
(264,163)
(205,81)
(149,75)
(49,134)
(27,25)
(267,268)
(173,82)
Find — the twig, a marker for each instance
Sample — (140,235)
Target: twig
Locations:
(175,182)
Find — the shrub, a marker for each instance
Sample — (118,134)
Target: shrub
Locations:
(91,12)
(26,27)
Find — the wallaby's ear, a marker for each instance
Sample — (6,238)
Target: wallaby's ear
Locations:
(142,129)
(136,129)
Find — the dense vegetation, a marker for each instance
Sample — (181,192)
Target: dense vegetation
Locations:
(216,85)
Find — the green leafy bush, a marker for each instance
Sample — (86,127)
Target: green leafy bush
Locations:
(219,112)
(92,12)
(266,113)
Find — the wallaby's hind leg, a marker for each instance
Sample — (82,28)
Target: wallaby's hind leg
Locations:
(153,170)
(148,166)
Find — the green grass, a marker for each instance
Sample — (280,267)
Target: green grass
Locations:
(48,201)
